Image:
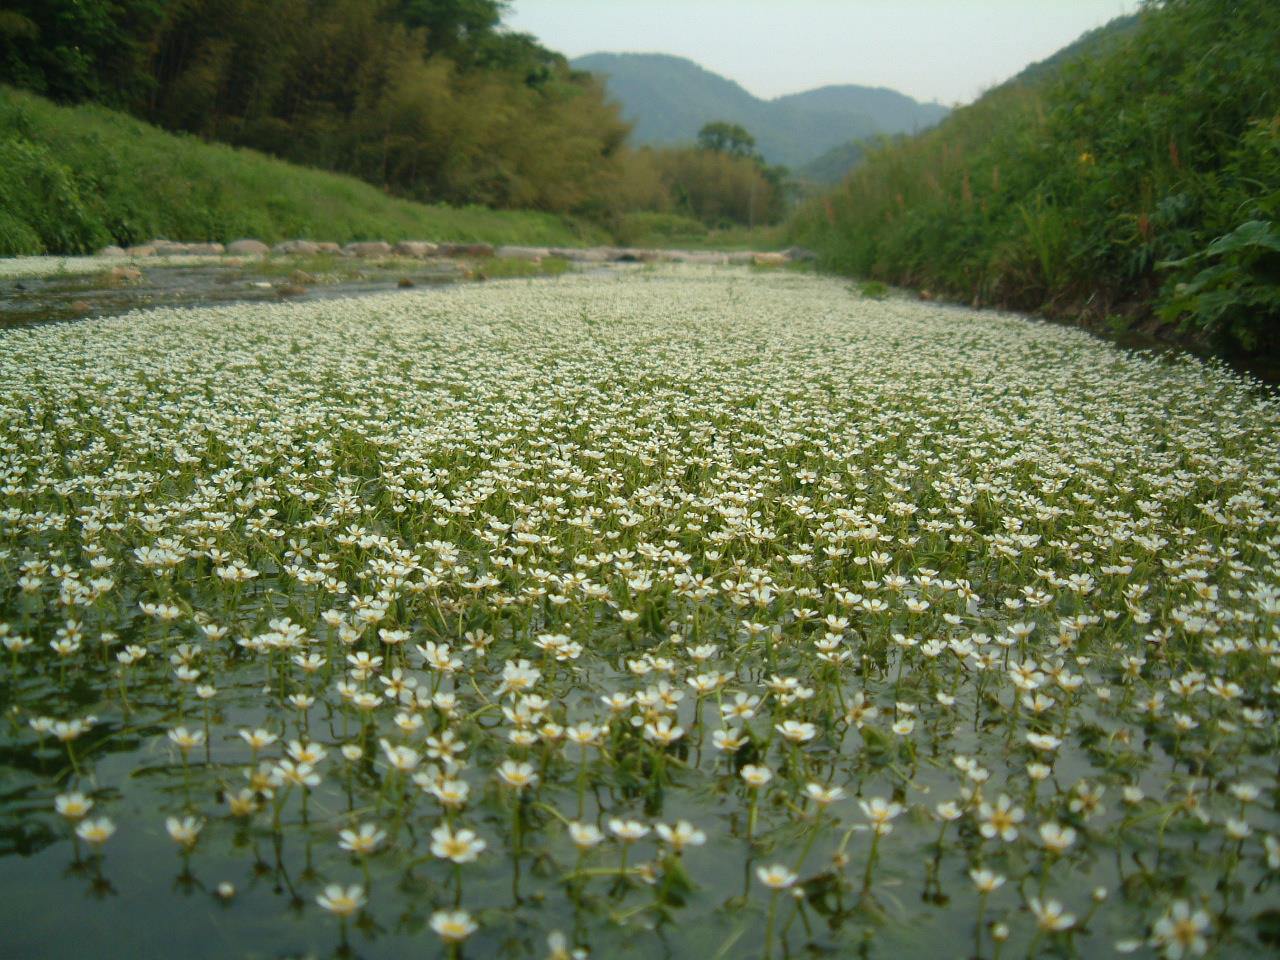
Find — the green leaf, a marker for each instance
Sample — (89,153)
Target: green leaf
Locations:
(1259,234)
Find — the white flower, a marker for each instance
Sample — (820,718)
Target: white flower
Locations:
(776,877)
(342,901)
(1000,819)
(73,806)
(880,811)
(1055,837)
(1181,932)
(460,846)
(453,926)
(1050,915)
(948,810)
(796,732)
(986,881)
(628,831)
(1044,741)
(95,832)
(184,832)
(682,835)
(585,835)
(363,840)
(823,795)
(517,774)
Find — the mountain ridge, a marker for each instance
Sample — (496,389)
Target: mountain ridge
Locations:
(668,99)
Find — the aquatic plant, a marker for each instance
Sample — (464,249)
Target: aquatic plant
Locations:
(691,610)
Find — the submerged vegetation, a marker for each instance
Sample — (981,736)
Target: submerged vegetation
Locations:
(1137,176)
(701,613)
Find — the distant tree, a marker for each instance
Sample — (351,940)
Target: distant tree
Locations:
(78,49)
(454,27)
(731,138)
(430,99)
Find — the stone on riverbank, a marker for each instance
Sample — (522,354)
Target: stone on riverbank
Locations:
(414,248)
(372,248)
(465,250)
(248,248)
(636,255)
(583,255)
(296,247)
(532,254)
(800,254)
(169,248)
(770,259)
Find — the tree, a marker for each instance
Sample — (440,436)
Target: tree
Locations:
(78,49)
(720,136)
(454,27)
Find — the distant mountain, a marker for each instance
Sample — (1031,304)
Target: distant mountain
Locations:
(670,98)
(889,110)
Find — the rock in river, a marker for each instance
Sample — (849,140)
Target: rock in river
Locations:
(297,247)
(248,248)
(374,248)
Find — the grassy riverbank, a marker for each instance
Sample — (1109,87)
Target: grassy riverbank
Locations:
(1133,180)
(73,179)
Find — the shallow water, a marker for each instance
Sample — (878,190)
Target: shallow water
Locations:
(677,403)
(210,282)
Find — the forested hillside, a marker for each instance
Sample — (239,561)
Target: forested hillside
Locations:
(428,98)
(1135,177)
(75,178)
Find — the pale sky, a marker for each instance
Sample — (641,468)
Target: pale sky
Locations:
(945,50)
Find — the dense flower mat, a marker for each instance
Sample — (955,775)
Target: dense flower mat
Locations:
(697,613)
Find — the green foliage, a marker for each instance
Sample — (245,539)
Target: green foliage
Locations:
(425,98)
(1151,142)
(731,138)
(79,49)
(75,178)
(715,188)
(672,231)
(651,229)
(832,167)
(449,24)
(41,209)
(1240,283)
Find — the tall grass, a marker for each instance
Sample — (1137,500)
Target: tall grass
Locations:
(76,178)
(1105,186)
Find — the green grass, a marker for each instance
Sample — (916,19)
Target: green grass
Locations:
(502,268)
(1137,175)
(73,179)
(672,231)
